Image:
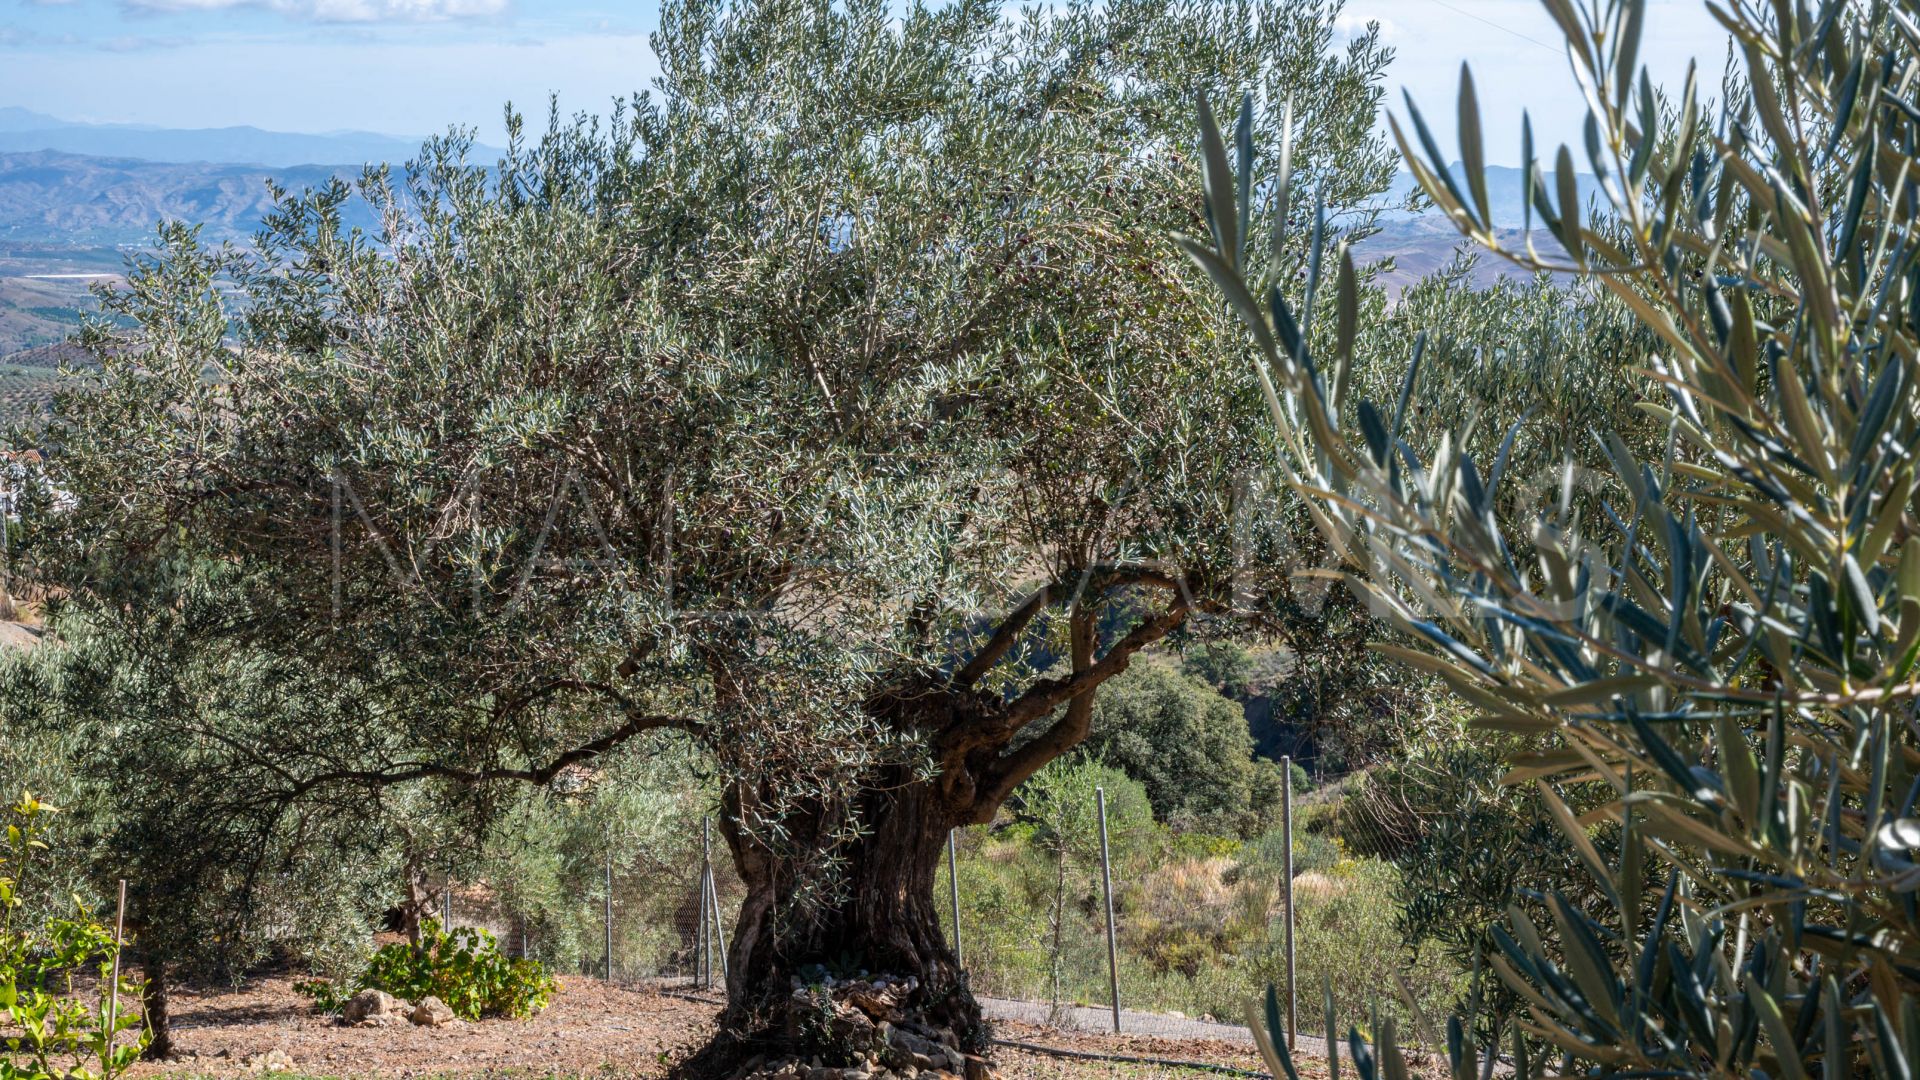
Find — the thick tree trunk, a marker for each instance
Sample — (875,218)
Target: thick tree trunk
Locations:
(882,917)
(848,886)
(871,908)
(418,904)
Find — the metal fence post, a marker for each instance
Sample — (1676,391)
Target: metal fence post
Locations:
(953,893)
(699,934)
(113,988)
(1286,892)
(1106,880)
(717,937)
(705,964)
(607,912)
(446,906)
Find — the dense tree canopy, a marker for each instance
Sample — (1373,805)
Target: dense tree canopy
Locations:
(788,406)
(172,762)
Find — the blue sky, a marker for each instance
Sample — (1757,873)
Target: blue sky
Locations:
(410,67)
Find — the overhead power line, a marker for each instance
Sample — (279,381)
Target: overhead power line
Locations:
(1497,26)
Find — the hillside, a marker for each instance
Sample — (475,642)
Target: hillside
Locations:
(41,309)
(1425,245)
(48,196)
(26,396)
(43,296)
(27,382)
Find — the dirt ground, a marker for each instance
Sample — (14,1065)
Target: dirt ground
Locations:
(591,1029)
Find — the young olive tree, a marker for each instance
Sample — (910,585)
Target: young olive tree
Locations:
(791,407)
(176,761)
(1725,648)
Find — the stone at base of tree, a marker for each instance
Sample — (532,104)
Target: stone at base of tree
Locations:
(431,1012)
(863,1029)
(371,1008)
(272,1061)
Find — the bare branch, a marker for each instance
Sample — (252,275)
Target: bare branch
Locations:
(1077,689)
(1004,637)
(539,775)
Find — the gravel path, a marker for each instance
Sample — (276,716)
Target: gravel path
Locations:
(1099,1021)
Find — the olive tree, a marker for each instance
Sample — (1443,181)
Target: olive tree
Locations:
(173,761)
(1724,650)
(791,407)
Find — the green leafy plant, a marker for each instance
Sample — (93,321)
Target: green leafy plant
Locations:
(327,995)
(1724,648)
(463,968)
(49,1027)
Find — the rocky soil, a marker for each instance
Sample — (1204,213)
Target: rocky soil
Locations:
(264,1029)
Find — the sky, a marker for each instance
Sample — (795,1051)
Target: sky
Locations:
(412,67)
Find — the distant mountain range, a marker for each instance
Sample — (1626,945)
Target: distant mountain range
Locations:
(1506,191)
(65,182)
(49,196)
(22,130)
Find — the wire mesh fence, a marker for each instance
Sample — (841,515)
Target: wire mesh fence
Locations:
(645,914)
(1200,925)
(1103,923)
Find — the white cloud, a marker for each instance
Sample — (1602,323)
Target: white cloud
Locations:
(125,43)
(346,11)
(1349,26)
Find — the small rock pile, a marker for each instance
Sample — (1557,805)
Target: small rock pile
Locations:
(866,1020)
(272,1061)
(377,1008)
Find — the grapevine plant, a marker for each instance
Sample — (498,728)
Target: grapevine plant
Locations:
(463,968)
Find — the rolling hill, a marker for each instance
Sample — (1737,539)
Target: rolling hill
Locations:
(47,196)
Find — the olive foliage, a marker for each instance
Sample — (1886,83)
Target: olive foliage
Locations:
(827,330)
(788,406)
(1726,648)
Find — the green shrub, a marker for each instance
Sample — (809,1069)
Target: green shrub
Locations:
(49,1028)
(464,968)
(1187,745)
(1200,845)
(1267,853)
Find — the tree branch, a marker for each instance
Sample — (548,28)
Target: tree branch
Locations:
(540,774)
(1077,690)
(1004,637)
(1097,580)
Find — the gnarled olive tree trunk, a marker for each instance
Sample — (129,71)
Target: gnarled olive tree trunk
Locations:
(870,901)
(875,906)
